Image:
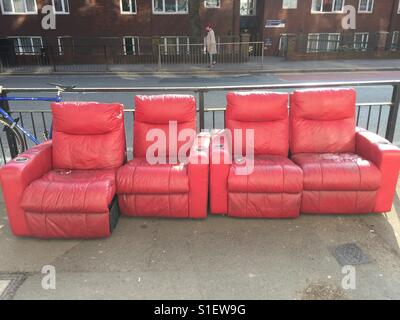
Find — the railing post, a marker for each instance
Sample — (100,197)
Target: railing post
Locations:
(159,57)
(201,109)
(394,110)
(106,57)
(12,144)
(262,54)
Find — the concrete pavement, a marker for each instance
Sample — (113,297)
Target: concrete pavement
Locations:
(216,258)
(268,65)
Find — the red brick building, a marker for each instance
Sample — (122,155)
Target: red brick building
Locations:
(134,26)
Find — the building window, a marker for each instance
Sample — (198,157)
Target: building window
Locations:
(61,6)
(289,4)
(323,42)
(28,45)
(170,6)
(326,6)
(365,6)
(18,6)
(398,8)
(131,46)
(175,45)
(394,43)
(212,3)
(361,41)
(248,7)
(128,6)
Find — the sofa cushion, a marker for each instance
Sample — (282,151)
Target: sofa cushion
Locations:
(322,120)
(140,177)
(266,113)
(338,172)
(88,135)
(70,191)
(271,174)
(155,114)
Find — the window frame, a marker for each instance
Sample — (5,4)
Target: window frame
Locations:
(177,43)
(368,1)
(327,12)
(126,12)
(18,13)
(135,44)
(398,8)
(288,8)
(366,40)
(165,12)
(63,5)
(318,41)
(213,6)
(249,15)
(32,53)
(395,34)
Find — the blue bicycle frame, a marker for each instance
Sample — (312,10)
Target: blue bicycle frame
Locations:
(14,123)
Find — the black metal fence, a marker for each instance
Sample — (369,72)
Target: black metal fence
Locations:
(377,116)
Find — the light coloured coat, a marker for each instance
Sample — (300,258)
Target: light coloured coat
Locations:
(211,44)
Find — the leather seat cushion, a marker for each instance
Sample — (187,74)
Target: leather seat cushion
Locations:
(71,191)
(338,172)
(271,174)
(140,177)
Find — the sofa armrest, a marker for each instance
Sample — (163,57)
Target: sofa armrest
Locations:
(220,164)
(16,175)
(386,157)
(198,171)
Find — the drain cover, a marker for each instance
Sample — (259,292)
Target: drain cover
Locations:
(350,254)
(9,284)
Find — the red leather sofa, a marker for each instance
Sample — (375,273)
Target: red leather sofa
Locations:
(274,188)
(346,170)
(178,186)
(65,188)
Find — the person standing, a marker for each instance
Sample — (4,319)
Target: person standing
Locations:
(211,45)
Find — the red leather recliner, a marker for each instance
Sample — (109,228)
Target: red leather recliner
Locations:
(175,187)
(346,170)
(65,188)
(273,189)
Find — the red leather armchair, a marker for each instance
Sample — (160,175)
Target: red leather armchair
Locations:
(168,176)
(273,188)
(65,188)
(346,170)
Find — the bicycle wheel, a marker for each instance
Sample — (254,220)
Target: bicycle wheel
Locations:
(19,141)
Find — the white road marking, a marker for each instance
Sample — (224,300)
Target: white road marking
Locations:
(3,285)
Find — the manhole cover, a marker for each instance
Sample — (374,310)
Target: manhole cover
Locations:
(350,254)
(9,284)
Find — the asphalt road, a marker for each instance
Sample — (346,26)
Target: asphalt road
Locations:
(214,99)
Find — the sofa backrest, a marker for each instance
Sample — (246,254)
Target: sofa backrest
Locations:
(322,120)
(88,135)
(159,114)
(264,112)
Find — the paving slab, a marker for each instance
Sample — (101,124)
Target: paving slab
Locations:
(216,258)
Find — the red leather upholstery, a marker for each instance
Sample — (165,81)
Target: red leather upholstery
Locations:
(264,112)
(345,172)
(322,120)
(70,191)
(176,188)
(65,188)
(338,172)
(82,131)
(338,183)
(158,112)
(273,189)
(386,157)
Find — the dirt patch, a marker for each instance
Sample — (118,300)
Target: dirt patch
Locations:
(323,291)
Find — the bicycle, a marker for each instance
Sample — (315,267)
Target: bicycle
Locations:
(14,129)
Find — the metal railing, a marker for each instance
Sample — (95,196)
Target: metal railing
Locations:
(250,53)
(379,117)
(137,55)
